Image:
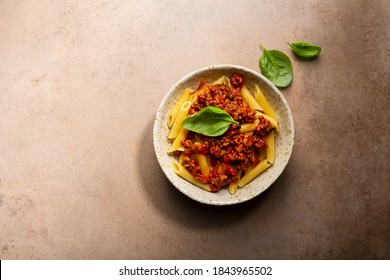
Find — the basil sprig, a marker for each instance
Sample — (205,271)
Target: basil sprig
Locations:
(211,121)
(276,66)
(304,49)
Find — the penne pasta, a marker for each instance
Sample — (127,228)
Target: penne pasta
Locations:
(181,158)
(250,175)
(176,145)
(204,167)
(173,113)
(260,98)
(249,127)
(182,172)
(223,80)
(181,115)
(262,155)
(233,186)
(270,150)
(248,169)
(194,97)
(248,97)
(273,122)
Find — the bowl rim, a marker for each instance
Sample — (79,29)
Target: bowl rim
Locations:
(230,67)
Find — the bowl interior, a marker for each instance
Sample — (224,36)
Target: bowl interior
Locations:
(284,139)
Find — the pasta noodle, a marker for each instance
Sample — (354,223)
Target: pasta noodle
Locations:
(176,145)
(262,155)
(182,113)
(260,98)
(233,186)
(249,127)
(223,80)
(270,150)
(194,97)
(248,97)
(204,167)
(249,176)
(273,122)
(240,154)
(173,113)
(182,172)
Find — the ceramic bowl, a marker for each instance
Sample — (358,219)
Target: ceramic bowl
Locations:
(284,139)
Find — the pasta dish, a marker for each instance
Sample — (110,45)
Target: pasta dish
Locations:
(238,155)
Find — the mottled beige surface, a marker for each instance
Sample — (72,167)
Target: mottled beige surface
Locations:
(79,87)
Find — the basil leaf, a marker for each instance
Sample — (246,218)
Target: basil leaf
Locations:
(211,121)
(276,66)
(304,49)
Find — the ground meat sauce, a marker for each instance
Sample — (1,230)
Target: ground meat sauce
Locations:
(232,152)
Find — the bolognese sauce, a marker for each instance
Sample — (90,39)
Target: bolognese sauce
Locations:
(234,151)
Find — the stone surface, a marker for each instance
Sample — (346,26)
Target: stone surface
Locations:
(80,83)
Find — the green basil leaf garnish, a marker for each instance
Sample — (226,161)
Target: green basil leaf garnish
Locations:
(211,121)
(304,49)
(277,67)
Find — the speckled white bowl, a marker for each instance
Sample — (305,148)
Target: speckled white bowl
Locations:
(284,140)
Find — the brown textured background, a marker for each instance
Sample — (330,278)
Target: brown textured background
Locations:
(80,82)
